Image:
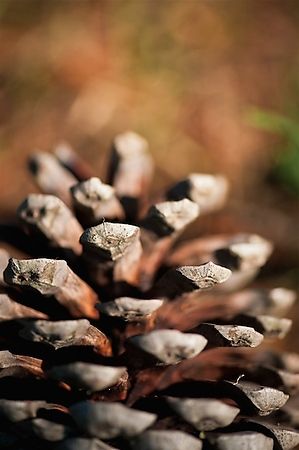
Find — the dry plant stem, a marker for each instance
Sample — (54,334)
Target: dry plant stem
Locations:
(53,278)
(130,171)
(94,200)
(161,227)
(188,279)
(113,247)
(51,177)
(208,191)
(48,216)
(73,162)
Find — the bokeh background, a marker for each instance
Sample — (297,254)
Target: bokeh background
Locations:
(213,85)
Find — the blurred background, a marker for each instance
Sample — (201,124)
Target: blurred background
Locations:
(213,85)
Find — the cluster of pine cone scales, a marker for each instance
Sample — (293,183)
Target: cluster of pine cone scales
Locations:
(117,335)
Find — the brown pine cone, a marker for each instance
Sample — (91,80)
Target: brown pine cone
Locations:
(112,338)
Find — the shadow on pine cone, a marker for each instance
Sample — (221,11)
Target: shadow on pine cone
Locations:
(113,338)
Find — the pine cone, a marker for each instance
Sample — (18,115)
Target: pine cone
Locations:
(113,338)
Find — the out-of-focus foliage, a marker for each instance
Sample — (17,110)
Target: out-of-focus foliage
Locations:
(180,72)
(286,166)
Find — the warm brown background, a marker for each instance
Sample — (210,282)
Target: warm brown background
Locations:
(183,73)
